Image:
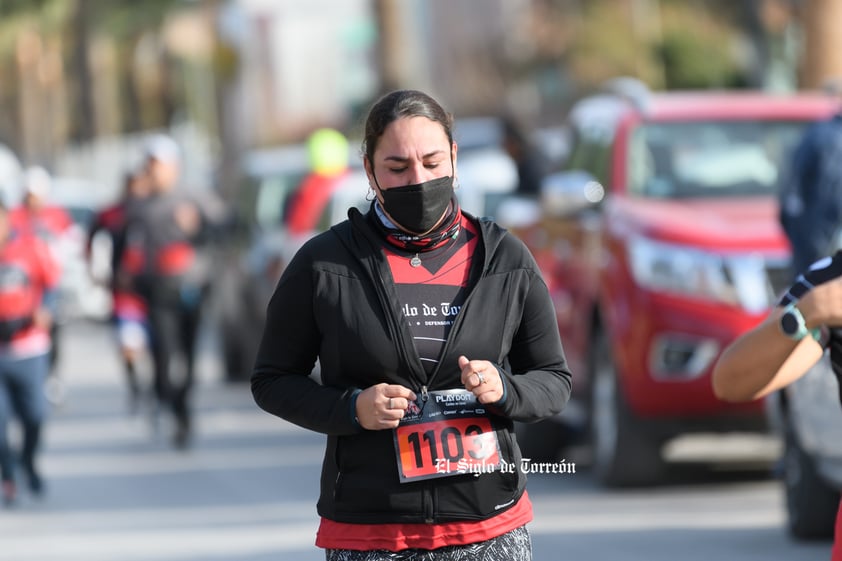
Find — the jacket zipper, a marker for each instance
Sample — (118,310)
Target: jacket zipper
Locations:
(429,507)
(397,332)
(394,327)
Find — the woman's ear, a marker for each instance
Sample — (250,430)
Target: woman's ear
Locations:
(369,172)
(372,182)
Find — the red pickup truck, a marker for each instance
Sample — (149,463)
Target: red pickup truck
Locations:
(660,244)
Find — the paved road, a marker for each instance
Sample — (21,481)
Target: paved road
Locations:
(246,489)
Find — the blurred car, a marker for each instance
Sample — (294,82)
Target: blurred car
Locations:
(262,244)
(659,242)
(254,253)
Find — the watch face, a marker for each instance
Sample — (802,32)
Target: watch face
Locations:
(789,324)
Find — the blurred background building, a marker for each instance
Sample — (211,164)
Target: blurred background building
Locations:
(80,79)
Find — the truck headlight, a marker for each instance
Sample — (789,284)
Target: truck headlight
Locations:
(738,280)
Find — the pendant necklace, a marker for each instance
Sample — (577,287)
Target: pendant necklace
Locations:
(415,261)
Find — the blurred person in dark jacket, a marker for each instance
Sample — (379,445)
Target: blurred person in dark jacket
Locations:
(529,160)
(28,277)
(168,231)
(811,195)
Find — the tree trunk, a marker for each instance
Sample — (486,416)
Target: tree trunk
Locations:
(822,56)
(83,128)
(390,50)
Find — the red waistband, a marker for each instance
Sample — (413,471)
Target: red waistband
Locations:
(396,537)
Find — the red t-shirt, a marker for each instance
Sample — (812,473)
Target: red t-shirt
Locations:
(48,223)
(27,269)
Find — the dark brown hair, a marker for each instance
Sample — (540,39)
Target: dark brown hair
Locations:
(398,104)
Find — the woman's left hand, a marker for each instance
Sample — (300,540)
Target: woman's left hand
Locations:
(481,378)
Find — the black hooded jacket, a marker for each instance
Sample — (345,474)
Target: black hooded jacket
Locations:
(336,302)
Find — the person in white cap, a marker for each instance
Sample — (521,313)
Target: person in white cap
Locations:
(37,217)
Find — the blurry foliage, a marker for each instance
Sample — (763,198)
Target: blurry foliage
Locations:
(47,17)
(689,62)
(77,29)
(696,49)
(12,7)
(127,18)
(558,50)
(669,44)
(119,18)
(606,46)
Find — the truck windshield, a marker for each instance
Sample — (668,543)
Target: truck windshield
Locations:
(710,159)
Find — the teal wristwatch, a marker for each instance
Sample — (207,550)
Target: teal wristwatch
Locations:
(792,324)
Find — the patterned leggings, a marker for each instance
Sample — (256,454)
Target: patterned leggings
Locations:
(511,546)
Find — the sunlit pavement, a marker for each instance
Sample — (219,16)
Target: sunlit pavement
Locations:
(246,488)
(725,519)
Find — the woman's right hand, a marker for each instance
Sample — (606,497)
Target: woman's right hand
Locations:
(382,406)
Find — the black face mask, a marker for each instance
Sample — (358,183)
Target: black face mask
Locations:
(419,207)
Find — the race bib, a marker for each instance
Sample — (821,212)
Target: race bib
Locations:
(449,434)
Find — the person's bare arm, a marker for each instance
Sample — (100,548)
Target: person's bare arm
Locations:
(763,359)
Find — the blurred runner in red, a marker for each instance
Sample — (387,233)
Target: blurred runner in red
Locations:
(37,217)
(28,277)
(128,313)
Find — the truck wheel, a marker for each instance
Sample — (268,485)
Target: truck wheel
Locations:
(811,503)
(623,453)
